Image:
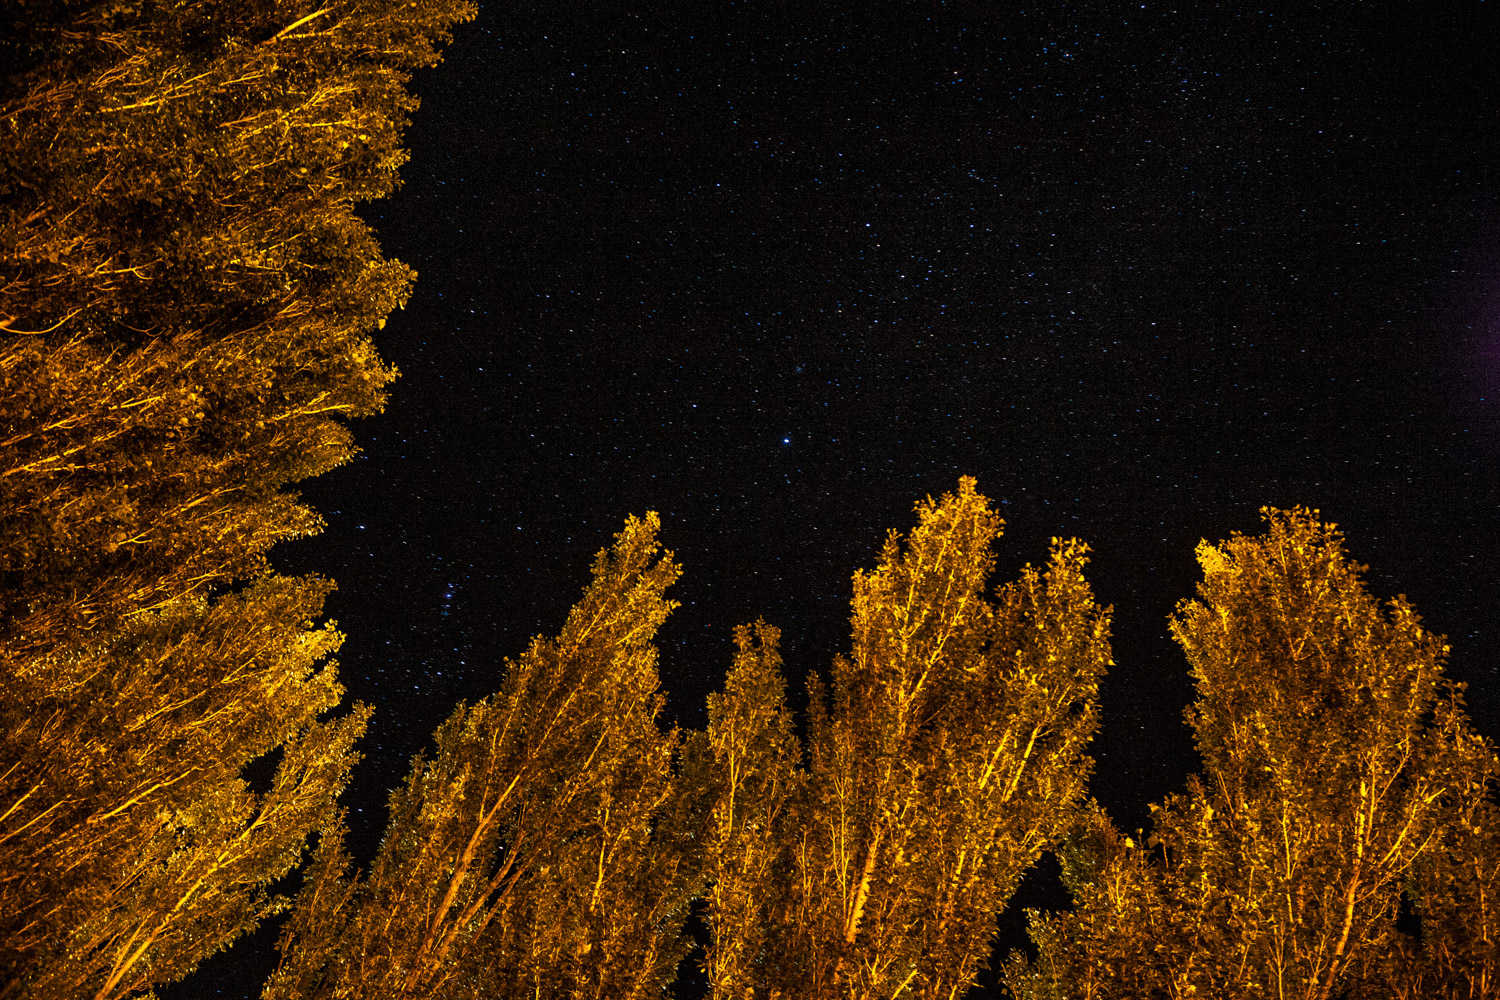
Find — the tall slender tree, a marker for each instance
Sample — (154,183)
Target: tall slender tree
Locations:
(186,304)
(1335,759)
(551,843)
(755,762)
(186,295)
(949,758)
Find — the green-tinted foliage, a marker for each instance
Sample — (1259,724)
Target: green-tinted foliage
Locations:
(949,758)
(549,845)
(1338,766)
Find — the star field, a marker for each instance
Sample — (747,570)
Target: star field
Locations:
(778,271)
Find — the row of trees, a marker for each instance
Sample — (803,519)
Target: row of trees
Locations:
(552,843)
(186,307)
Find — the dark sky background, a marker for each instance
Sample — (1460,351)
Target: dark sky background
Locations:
(779,270)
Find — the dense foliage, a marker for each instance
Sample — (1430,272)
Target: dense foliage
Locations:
(1340,774)
(186,303)
(548,847)
(947,758)
(186,294)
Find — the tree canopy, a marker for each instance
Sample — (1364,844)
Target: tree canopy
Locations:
(186,309)
(188,306)
(945,758)
(186,294)
(1339,773)
(552,841)
(549,845)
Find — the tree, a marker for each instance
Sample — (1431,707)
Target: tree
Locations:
(186,295)
(186,309)
(755,756)
(948,759)
(132,846)
(1337,763)
(549,846)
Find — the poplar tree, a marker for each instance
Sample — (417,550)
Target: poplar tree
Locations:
(550,844)
(133,847)
(186,308)
(756,757)
(947,755)
(1339,770)
(186,294)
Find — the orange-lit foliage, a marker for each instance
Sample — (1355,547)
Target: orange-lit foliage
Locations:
(186,296)
(186,303)
(550,844)
(133,848)
(1455,892)
(1339,768)
(950,756)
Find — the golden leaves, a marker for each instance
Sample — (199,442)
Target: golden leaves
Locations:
(550,838)
(1327,751)
(896,843)
(202,299)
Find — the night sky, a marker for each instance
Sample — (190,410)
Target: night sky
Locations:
(779,270)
